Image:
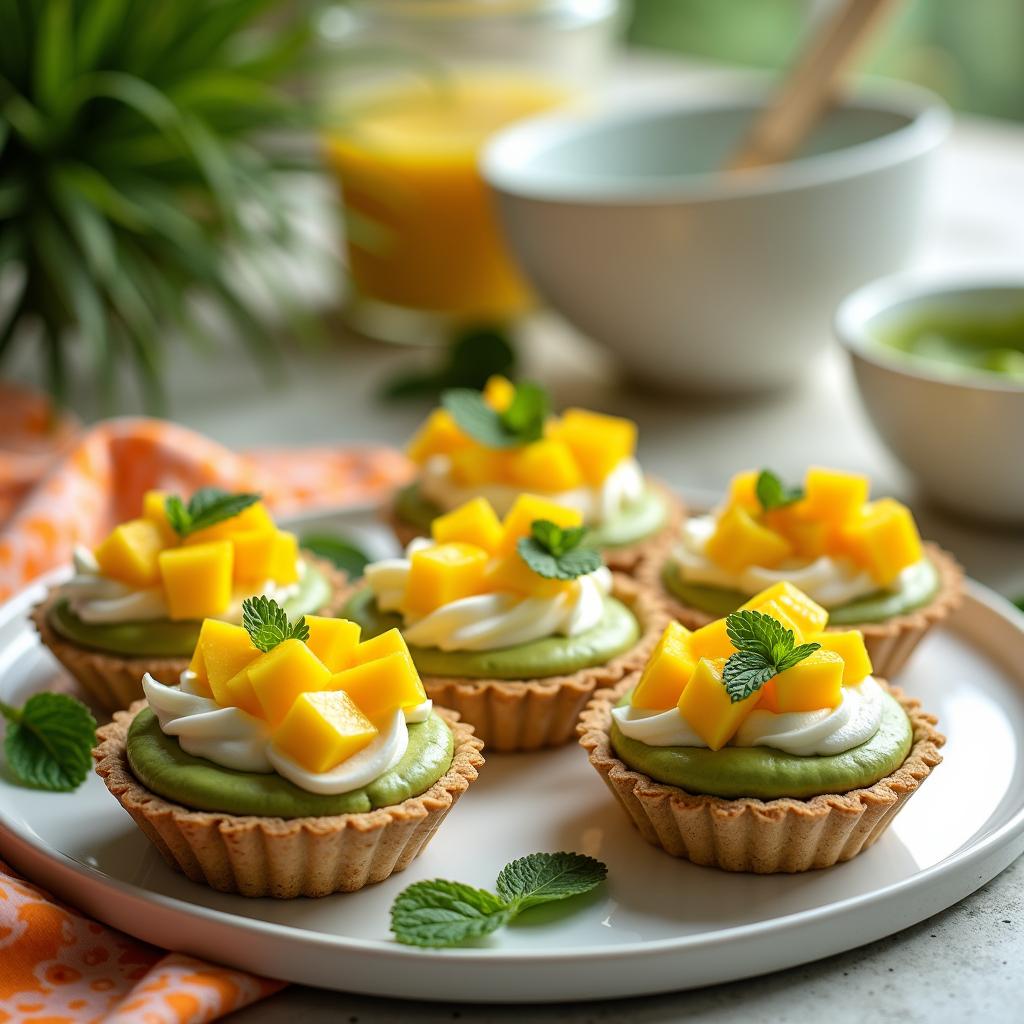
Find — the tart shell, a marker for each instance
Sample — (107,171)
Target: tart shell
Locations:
(113,681)
(760,836)
(889,644)
(286,858)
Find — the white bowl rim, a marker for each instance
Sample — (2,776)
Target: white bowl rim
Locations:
(850,322)
(929,122)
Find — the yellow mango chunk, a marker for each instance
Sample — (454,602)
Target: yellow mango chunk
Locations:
(197,579)
(284,562)
(439,435)
(884,539)
(707,707)
(743,491)
(711,641)
(154,505)
(475,522)
(323,729)
(833,496)
(849,645)
(254,517)
(810,538)
(254,556)
(739,541)
(811,684)
(667,671)
(240,694)
(390,641)
(443,573)
(478,465)
(598,442)
(333,641)
(280,675)
(528,508)
(800,611)
(130,553)
(499,392)
(545,465)
(381,686)
(511,573)
(226,649)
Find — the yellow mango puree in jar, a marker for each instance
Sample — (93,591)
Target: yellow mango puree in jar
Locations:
(422,230)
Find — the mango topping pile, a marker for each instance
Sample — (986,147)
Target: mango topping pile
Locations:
(198,572)
(324,698)
(577,449)
(829,515)
(686,668)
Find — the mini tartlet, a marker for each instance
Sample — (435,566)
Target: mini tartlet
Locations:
(135,603)
(863,560)
(513,623)
(310,764)
(785,771)
(501,442)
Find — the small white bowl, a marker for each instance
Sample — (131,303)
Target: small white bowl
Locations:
(699,280)
(960,434)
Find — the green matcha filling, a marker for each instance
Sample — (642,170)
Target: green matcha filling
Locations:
(917,588)
(162,638)
(767,774)
(616,632)
(162,766)
(640,520)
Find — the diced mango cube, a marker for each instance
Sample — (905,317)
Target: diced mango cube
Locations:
(197,579)
(743,491)
(254,555)
(280,675)
(810,537)
(711,641)
(154,508)
(833,496)
(499,392)
(740,541)
(475,522)
(439,435)
(240,693)
(130,553)
(707,707)
(598,442)
(545,465)
(390,641)
(884,539)
(667,671)
(799,609)
(526,510)
(381,686)
(511,573)
(849,645)
(478,465)
(284,562)
(811,684)
(323,729)
(443,573)
(333,641)
(226,650)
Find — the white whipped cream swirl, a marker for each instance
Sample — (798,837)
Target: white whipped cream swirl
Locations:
(96,598)
(232,738)
(804,733)
(829,581)
(486,622)
(621,488)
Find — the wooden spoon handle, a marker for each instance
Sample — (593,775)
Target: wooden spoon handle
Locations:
(811,85)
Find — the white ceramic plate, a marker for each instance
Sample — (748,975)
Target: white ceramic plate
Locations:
(658,925)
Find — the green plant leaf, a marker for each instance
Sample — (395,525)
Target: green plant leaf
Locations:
(547,877)
(267,623)
(207,507)
(764,648)
(440,913)
(54,62)
(520,424)
(49,741)
(346,556)
(773,493)
(527,412)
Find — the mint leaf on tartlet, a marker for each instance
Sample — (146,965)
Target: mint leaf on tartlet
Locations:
(267,623)
(207,507)
(49,741)
(520,424)
(773,493)
(764,648)
(558,553)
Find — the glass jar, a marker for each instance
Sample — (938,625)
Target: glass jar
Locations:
(420,86)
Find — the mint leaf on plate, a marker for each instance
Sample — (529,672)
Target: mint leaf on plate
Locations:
(440,913)
(546,877)
(49,741)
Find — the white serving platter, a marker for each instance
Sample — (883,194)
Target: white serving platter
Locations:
(657,925)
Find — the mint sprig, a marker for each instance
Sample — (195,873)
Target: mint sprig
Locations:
(520,424)
(267,623)
(440,913)
(764,648)
(49,741)
(773,493)
(558,553)
(207,507)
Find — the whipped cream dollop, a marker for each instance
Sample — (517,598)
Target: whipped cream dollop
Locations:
(232,738)
(486,622)
(621,488)
(96,598)
(828,580)
(827,731)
